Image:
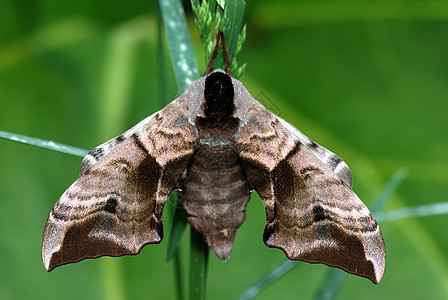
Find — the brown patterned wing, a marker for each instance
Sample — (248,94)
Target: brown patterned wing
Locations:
(317,218)
(115,207)
(312,213)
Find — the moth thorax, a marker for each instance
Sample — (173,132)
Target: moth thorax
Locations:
(219,93)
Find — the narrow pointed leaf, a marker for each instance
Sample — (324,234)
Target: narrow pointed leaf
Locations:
(277,272)
(412,212)
(43,143)
(331,285)
(233,18)
(179,42)
(177,231)
(198,266)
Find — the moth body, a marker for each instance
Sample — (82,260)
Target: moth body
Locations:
(216,189)
(214,144)
(215,194)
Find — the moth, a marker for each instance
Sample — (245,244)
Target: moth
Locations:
(214,145)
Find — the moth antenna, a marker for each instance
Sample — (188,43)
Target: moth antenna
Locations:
(224,53)
(212,57)
(220,40)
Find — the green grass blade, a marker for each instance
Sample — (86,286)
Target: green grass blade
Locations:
(198,266)
(233,17)
(331,285)
(177,231)
(178,224)
(273,275)
(388,190)
(231,24)
(412,212)
(179,41)
(43,143)
(178,277)
(161,67)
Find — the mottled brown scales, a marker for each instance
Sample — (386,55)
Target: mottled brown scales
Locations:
(215,143)
(216,190)
(215,194)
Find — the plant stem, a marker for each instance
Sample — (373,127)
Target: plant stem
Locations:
(198,266)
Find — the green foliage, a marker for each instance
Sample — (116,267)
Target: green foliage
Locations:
(198,266)
(179,41)
(177,231)
(273,275)
(238,70)
(206,24)
(232,20)
(365,79)
(43,143)
(227,16)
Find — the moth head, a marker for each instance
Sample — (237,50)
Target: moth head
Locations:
(219,96)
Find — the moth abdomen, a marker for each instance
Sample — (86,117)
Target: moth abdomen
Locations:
(215,194)
(215,175)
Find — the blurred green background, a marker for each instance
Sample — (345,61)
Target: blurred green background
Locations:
(366,79)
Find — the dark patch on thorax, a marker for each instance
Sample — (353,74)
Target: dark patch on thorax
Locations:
(219,96)
(111,205)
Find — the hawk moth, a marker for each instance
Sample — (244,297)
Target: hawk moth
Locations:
(214,145)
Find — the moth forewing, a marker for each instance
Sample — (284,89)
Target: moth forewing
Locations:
(115,207)
(214,144)
(312,212)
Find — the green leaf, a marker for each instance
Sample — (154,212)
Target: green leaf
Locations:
(233,17)
(276,273)
(198,266)
(393,184)
(43,143)
(179,42)
(238,70)
(230,24)
(331,285)
(226,16)
(221,3)
(433,209)
(179,222)
(177,231)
